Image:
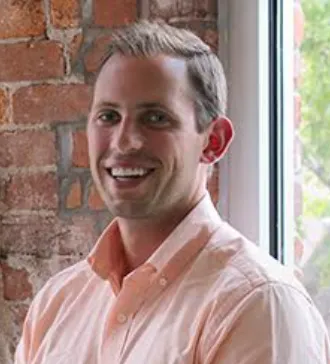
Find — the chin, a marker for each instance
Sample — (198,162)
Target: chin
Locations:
(130,210)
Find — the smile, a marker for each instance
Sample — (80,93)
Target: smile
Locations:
(128,172)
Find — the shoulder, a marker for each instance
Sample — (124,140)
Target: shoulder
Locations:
(254,296)
(75,275)
(236,273)
(60,290)
(272,323)
(48,306)
(245,265)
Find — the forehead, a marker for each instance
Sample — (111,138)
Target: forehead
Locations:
(143,79)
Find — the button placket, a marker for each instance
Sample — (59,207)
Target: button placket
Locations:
(115,343)
(127,303)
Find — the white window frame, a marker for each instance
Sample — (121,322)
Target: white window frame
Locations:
(244,174)
(245,170)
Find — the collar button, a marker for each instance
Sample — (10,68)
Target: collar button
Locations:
(121,318)
(163,281)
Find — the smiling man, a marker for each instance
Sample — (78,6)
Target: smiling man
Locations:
(168,281)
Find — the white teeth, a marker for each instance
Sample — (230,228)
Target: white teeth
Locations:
(128,172)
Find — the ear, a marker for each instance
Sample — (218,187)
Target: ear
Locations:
(220,135)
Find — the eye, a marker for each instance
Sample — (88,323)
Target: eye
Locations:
(155,118)
(108,117)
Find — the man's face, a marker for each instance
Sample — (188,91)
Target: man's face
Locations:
(143,144)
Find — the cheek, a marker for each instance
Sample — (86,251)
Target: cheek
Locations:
(188,148)
(175,149)
(164,148)
(97,142)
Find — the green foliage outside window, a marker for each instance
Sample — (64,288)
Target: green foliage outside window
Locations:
(314,131)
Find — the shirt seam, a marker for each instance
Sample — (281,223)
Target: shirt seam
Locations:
(266,284)
(270,281)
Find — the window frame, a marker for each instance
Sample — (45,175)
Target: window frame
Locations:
(247,163)
(259,186)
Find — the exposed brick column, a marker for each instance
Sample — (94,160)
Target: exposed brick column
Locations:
(50,213)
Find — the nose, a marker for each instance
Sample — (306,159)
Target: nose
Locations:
(127,136)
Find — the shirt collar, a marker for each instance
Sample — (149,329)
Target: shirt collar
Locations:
(203,215)
(107,259)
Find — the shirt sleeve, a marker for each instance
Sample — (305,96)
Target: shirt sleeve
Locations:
(38,319)
(23,348)
(275,324)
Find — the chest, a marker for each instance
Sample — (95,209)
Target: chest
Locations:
(100,329)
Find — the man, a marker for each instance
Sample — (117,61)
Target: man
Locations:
(168,281)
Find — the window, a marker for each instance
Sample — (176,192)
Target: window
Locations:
(312,151)
(301,134)
(277,173)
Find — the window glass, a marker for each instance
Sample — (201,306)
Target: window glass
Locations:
(312,149)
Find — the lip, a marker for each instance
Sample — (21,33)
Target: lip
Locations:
(128,182)
(127,164)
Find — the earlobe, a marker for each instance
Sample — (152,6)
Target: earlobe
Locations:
(220,136)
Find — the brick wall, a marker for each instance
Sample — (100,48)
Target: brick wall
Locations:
(50,213)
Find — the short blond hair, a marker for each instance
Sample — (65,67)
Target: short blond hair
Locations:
(204,69)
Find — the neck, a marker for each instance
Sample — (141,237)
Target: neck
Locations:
(142,237)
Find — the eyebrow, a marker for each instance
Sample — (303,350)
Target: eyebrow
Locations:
(150,105)
(106,104)
(141,105)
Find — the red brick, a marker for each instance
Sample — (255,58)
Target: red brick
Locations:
(3,208)
(209,35)
(81,236)
(167,9)
(3,184)
(42,60)
(95,54)
(21,18)
(112,13)
(50,103)
(80,149)
(94,200)
(299,21)
(75,46)
(73,199)
(16,283)
(45,236)
(27,148)
(32,191)
(65,13)
(19,311)
(4,103)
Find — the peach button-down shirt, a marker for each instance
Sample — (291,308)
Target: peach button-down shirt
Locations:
(206,296)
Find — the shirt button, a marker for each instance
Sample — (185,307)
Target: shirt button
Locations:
(163,281)
(121,318)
